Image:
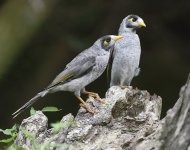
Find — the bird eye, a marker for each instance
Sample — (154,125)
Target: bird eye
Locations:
(133,19)
(106,41)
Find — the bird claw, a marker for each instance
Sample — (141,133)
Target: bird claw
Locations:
(97,97)
(93,112)
(100,100)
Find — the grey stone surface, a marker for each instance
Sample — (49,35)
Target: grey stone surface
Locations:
(129,120)
(36,125)
(173,132)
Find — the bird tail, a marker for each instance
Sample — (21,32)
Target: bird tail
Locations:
(29,103)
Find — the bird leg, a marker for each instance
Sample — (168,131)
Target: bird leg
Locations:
(85,106)
(92,94)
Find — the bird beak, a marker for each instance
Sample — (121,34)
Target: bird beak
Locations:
(142,24)
(117,38)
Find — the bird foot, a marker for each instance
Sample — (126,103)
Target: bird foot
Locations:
(85,106)
(96,97)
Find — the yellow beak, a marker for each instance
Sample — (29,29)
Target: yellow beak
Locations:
(142,24)
(117,38)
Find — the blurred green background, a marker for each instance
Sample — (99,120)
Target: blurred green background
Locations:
(39,37)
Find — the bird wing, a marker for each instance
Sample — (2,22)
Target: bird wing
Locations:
(109,67)
(74,70)
(81,58)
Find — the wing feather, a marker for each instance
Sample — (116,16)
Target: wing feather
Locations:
(109,67)
(74,70)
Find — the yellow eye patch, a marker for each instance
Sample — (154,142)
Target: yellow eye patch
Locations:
(130,20)
(105,42)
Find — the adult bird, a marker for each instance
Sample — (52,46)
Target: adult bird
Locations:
(127,51)
(81,71)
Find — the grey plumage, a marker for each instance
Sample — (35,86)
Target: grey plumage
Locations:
(81,71)
(127,51)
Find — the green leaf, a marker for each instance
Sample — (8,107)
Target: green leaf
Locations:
(10,132)
(32,111)
(50,109)
(57,126)
(14,147)
(8,140)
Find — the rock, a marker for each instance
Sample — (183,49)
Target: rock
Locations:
(176,128)
(127,117)
(173,132)
(34,125)
(129,120)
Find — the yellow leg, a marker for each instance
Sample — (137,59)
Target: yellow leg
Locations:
(95,95)
(85,106)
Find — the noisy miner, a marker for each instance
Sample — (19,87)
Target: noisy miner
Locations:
(81,71)
(127,52)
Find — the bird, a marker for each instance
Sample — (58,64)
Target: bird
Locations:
(80,72)
(127,52)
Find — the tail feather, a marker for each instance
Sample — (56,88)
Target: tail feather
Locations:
(29,103)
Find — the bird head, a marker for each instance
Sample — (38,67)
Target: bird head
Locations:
(108,41)
(134,21)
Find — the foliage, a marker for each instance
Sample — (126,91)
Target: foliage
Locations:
(60,125)
(12,132)
(34,144)
(45,109)
(14,147)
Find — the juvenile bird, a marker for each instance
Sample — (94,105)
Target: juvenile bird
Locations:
(127,51)
(81,71)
